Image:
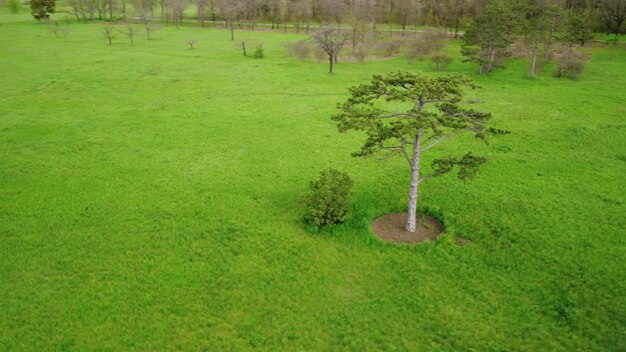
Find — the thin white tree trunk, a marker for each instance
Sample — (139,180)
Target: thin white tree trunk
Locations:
(532,70)
(480,58)
(568,53)
(411,218)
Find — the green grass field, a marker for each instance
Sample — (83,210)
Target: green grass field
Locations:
(151,199)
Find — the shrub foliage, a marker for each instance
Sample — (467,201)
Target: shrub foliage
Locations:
(328,202)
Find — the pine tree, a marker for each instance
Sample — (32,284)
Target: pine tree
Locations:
(434,114)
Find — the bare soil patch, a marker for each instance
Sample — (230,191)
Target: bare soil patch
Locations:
(391,228)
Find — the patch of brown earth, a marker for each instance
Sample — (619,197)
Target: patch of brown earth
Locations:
(392,228)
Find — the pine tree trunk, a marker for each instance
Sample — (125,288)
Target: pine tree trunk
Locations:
(232,30)
(411,218)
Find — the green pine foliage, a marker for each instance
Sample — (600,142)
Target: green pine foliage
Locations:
(577,31)
(329,200)
(488,38)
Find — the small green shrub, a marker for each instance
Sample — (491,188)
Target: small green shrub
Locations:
(329,200)
(259,53)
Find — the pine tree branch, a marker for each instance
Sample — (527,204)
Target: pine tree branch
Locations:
(444,138)
(422,179)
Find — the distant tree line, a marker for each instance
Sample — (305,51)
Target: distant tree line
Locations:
(397,16)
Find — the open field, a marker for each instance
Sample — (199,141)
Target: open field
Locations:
(151,199)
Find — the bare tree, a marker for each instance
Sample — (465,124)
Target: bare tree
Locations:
(201,9)
(144,7)
(78,8)
(250,12)
(302,14)
(230,10)
(331,40)
(109,33)
(359,17)
(273,10)
(131,32)
(289,11)
(405,12)
(150,29)
(212,9)
(335,11)
(177,9)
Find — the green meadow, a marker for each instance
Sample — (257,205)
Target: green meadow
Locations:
(151,200)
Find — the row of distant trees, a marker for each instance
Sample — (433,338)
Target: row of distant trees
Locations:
(359,15)
(489,37)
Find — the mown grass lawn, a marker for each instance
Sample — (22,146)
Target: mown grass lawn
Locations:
(151,199)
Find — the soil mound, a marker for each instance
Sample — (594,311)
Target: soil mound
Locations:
(391,228)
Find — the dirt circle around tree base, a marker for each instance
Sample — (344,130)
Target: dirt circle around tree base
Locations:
(392,228)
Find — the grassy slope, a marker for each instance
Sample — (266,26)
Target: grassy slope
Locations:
(150,199)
